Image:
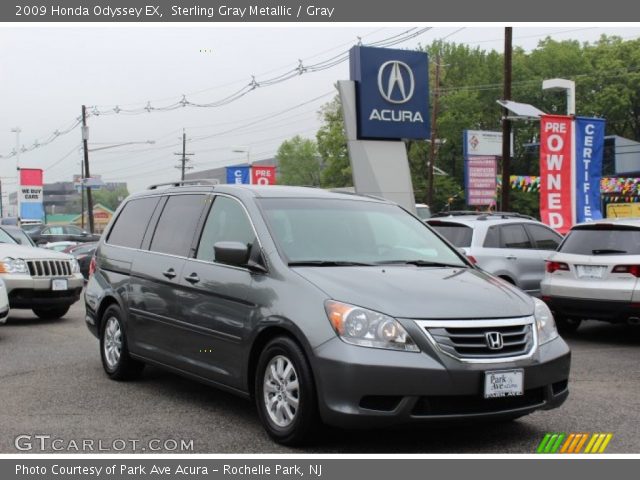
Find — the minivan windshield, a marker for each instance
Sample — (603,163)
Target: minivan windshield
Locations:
(602,239)
(331,232)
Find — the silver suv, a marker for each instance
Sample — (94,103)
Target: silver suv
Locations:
(511,246)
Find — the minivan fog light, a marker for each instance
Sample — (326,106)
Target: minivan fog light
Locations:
(359,326)
(544,321)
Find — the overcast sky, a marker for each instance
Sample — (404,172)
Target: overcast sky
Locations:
(46,74)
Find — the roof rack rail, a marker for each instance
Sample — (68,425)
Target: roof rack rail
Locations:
(202,181)
(356,194)
(482,215)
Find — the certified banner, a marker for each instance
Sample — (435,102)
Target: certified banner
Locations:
(239,174)
(556,181)
(589,150)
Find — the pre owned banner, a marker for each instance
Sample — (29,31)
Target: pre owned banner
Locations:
(263,175)
(30,196)
(589,150)
(556,182)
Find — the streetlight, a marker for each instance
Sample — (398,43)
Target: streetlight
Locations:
(244,150)
(562,84)
(146,142)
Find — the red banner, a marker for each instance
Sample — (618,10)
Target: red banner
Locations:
(556,199)
(263,175)
(31,176)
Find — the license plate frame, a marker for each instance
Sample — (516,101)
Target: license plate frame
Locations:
(590,271)
(59,284)
(504,383)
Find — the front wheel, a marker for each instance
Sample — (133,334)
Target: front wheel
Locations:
(567,325)
(113,347)
(285,393)
(51,313)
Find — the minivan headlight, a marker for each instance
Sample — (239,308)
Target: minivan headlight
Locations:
(544,321)
(13,265)
(360,326)
(75,266)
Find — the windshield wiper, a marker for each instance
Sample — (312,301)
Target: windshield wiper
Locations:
(604,251)
(328,263)
(419,263)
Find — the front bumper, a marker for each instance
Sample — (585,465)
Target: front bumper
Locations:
(367,387)
(27,292)
(581,308)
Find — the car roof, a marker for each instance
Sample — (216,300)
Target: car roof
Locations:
(482,219)
(259,191)
(627,222)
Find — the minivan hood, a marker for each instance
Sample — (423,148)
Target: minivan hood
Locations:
(421,292)
(27,253)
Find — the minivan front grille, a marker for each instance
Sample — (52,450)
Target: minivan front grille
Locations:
(482,339)
(49,268)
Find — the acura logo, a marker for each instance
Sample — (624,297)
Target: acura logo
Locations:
(396,82)
(494,340)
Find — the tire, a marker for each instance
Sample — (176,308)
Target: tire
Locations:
(116,361)
(51,313)
(295,420)
(567,325)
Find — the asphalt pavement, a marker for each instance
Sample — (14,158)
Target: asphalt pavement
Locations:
(53,388)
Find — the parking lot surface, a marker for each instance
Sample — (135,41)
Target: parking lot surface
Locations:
(52,384)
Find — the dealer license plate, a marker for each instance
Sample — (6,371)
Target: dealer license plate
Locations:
(503,383)
(59,284)
(590,271)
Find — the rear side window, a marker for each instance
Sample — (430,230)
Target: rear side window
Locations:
(514,236)
(227,222)
(603,240)
(132,223)
(492,240)
(543,238)
(177,225)
(458,235)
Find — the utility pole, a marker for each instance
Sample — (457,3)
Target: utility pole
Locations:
(183,167)
(506,123)
(1,209)
(434,133)
(81,195)
(85,145)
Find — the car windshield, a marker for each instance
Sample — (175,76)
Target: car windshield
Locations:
(331,232)
(599,239)
(458,235)
(6,238)
(21,237)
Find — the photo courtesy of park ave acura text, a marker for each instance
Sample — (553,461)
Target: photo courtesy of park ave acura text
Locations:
(313,238)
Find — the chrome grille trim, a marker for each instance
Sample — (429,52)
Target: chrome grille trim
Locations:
(49,268)
(454,338)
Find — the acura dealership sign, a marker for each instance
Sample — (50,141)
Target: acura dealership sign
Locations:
(392,93)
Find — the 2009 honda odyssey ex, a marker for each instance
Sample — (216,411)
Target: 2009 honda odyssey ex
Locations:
(322,307)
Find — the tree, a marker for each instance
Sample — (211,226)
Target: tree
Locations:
(299,162)
(109,198)
(332,146)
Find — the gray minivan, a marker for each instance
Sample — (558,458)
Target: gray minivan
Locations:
(319,306)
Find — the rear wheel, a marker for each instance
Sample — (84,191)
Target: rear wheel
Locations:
(567,325)
(51,313)
(113,347)
(285,393)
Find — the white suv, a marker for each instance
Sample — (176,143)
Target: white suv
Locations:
(594,274)
(511,246)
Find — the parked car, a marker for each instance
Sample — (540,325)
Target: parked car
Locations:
(59,246)
(4,303)
(18,234)
(319,306)
(423,211)
(44,281)
(60,233)
(83,253)
(511,246)
(594,274)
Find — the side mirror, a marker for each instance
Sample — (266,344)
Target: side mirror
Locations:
(85,233)
(231,253)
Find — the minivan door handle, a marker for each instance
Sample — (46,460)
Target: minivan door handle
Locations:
(170,274)
(193,278)
(512,257)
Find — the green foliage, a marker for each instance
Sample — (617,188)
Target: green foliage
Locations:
(110,199)
(299,162)
(332,146)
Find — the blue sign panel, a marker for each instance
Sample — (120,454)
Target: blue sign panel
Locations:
(392,93)
(31,211)
(239,174)
(589,150)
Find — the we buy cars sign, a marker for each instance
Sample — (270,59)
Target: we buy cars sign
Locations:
(556,172)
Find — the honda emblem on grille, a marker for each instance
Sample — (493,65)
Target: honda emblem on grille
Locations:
(494,340)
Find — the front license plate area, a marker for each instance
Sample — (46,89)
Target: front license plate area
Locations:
(59,284)
(503,383)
